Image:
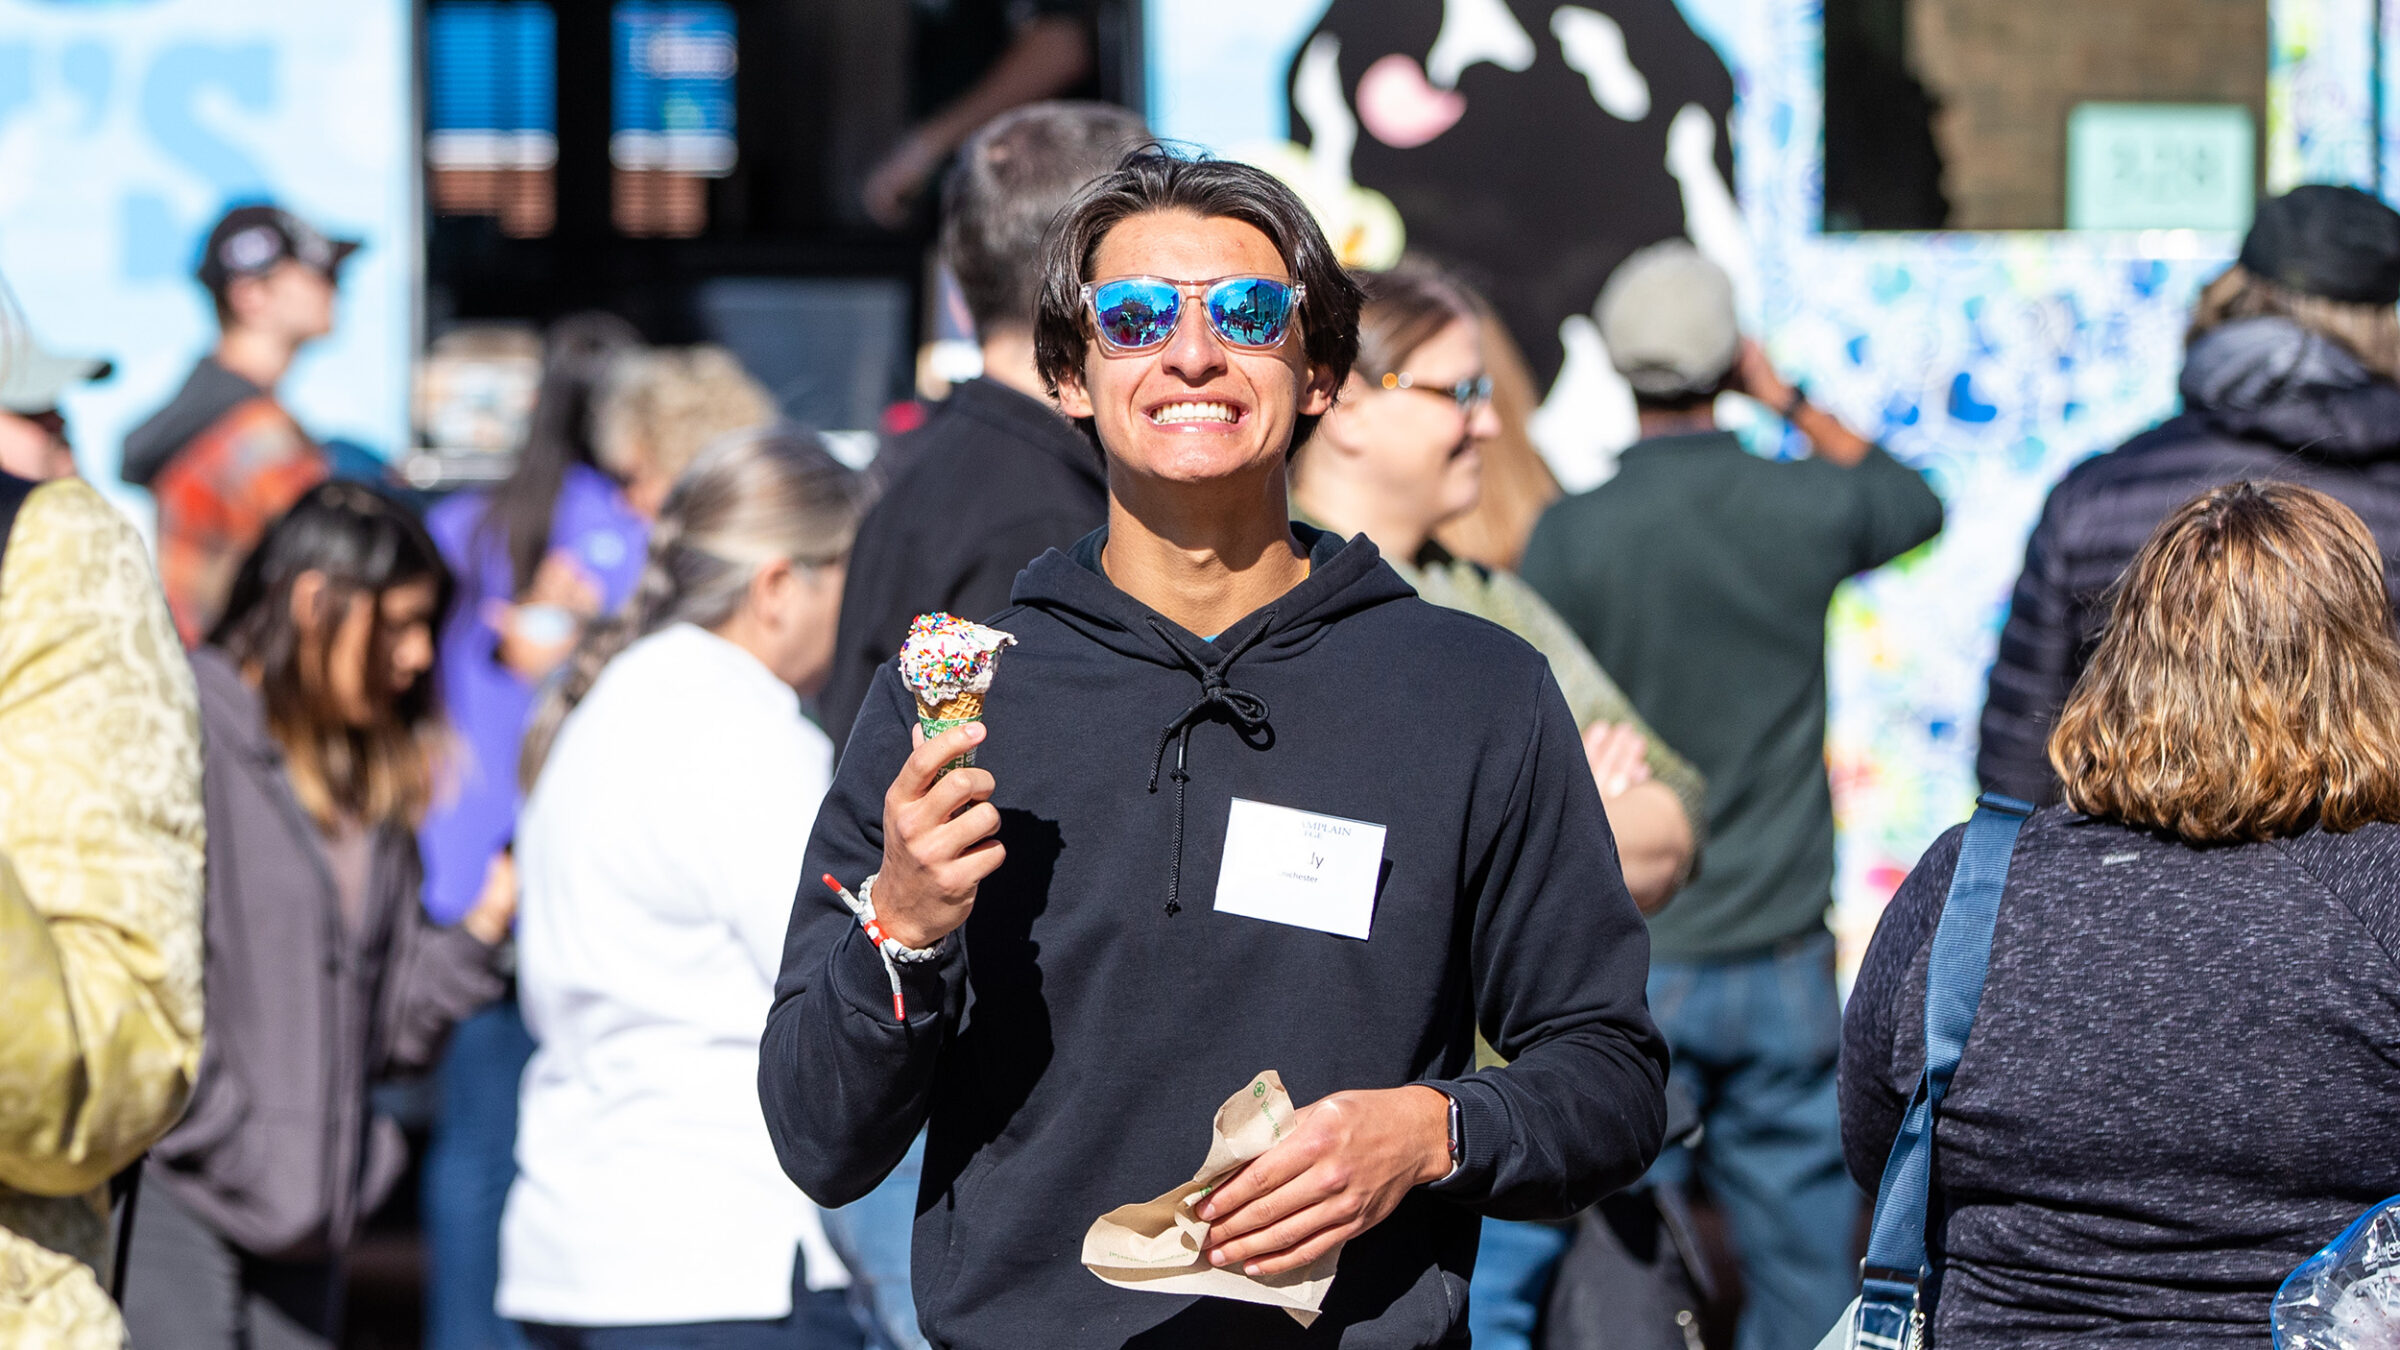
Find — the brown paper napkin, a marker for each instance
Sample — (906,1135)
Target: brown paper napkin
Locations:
(1156,1246)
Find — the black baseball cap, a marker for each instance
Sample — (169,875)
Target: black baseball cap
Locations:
(253,239)
(2337,243)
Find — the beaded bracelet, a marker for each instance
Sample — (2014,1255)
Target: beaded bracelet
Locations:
(894,952)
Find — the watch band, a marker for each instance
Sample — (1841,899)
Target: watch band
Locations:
(1793,405)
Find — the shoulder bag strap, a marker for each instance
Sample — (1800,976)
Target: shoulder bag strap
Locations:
(13,492)
(1895,1267)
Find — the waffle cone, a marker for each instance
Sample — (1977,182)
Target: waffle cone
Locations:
(965,708)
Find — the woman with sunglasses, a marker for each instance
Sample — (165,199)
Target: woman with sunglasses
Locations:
(1397,456)
(317,719)
(1369,830)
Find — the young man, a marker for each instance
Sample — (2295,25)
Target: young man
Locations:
(223,458)
(1699,576)
(1099,932)
(995,477)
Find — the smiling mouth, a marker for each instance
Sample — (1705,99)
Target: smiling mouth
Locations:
(1183,414)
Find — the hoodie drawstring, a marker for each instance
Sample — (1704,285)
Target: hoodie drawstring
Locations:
(1247,712)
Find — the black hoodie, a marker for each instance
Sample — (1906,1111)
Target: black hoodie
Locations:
(1071,1053)
(2262,398)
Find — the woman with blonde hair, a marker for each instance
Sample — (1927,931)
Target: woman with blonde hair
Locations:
(2184,1076)
(1399,456)
(672,780)
(663,406)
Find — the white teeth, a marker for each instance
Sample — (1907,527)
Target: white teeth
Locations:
(1194,412)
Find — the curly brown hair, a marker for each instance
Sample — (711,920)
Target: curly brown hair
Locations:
(2248,684)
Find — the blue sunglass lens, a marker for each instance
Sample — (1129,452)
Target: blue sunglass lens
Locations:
(1135,313)
(1250,311)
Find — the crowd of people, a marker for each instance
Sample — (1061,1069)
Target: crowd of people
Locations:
(763,1013)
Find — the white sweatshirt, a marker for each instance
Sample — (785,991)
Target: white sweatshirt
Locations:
(659,855)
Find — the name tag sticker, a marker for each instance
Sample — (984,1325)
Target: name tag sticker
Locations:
(1300,868)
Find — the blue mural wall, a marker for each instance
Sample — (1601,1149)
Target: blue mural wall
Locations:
(126,126)
(1992,362)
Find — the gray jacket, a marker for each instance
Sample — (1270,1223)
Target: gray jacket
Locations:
(279,1152)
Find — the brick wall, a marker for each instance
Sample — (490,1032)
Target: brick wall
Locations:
(2005,73)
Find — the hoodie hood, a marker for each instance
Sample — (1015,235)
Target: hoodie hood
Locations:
(2269,379)
(210,393)
(1344,578)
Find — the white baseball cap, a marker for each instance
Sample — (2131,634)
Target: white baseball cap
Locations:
(1668,319)
(32,377)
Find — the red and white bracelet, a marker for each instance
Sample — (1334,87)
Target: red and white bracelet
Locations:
(894,952)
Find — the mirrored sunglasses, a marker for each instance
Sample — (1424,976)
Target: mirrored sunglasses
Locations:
(1136,314)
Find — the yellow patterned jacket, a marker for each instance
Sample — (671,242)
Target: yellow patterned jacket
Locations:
(100,876)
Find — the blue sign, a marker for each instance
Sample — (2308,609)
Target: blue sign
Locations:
(492,85)
(672,87)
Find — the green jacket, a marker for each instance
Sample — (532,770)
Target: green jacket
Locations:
(1699,576)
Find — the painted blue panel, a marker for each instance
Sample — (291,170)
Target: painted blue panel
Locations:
(129,126)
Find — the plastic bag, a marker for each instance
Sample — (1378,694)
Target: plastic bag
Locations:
(2346,1297)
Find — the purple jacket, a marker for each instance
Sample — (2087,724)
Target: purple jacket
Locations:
(488,704)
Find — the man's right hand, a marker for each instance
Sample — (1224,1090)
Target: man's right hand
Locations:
(937,839)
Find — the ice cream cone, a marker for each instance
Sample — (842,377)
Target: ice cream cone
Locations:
(946,665)
(936,718)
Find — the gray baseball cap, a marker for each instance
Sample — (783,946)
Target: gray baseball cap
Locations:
(1667,317)
(32,377)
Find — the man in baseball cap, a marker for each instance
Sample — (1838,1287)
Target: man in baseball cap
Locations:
(33,432)
(1700,576)
(223,457)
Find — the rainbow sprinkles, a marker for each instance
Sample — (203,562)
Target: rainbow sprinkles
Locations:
(946,658)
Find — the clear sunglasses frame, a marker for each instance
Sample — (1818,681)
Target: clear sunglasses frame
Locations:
(1201,291)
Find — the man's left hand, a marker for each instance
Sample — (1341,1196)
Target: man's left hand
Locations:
(1342,1170)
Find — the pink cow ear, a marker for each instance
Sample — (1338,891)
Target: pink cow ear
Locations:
(1399,107)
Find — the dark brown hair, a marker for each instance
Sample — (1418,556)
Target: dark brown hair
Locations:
(1153,180)
(2248,683)
(364,544)
(1011,180)
(578,353)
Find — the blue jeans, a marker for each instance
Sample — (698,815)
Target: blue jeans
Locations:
(872,1234)
(1756,1039)
(1513,1266)
(468,1170)
(817,1321)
